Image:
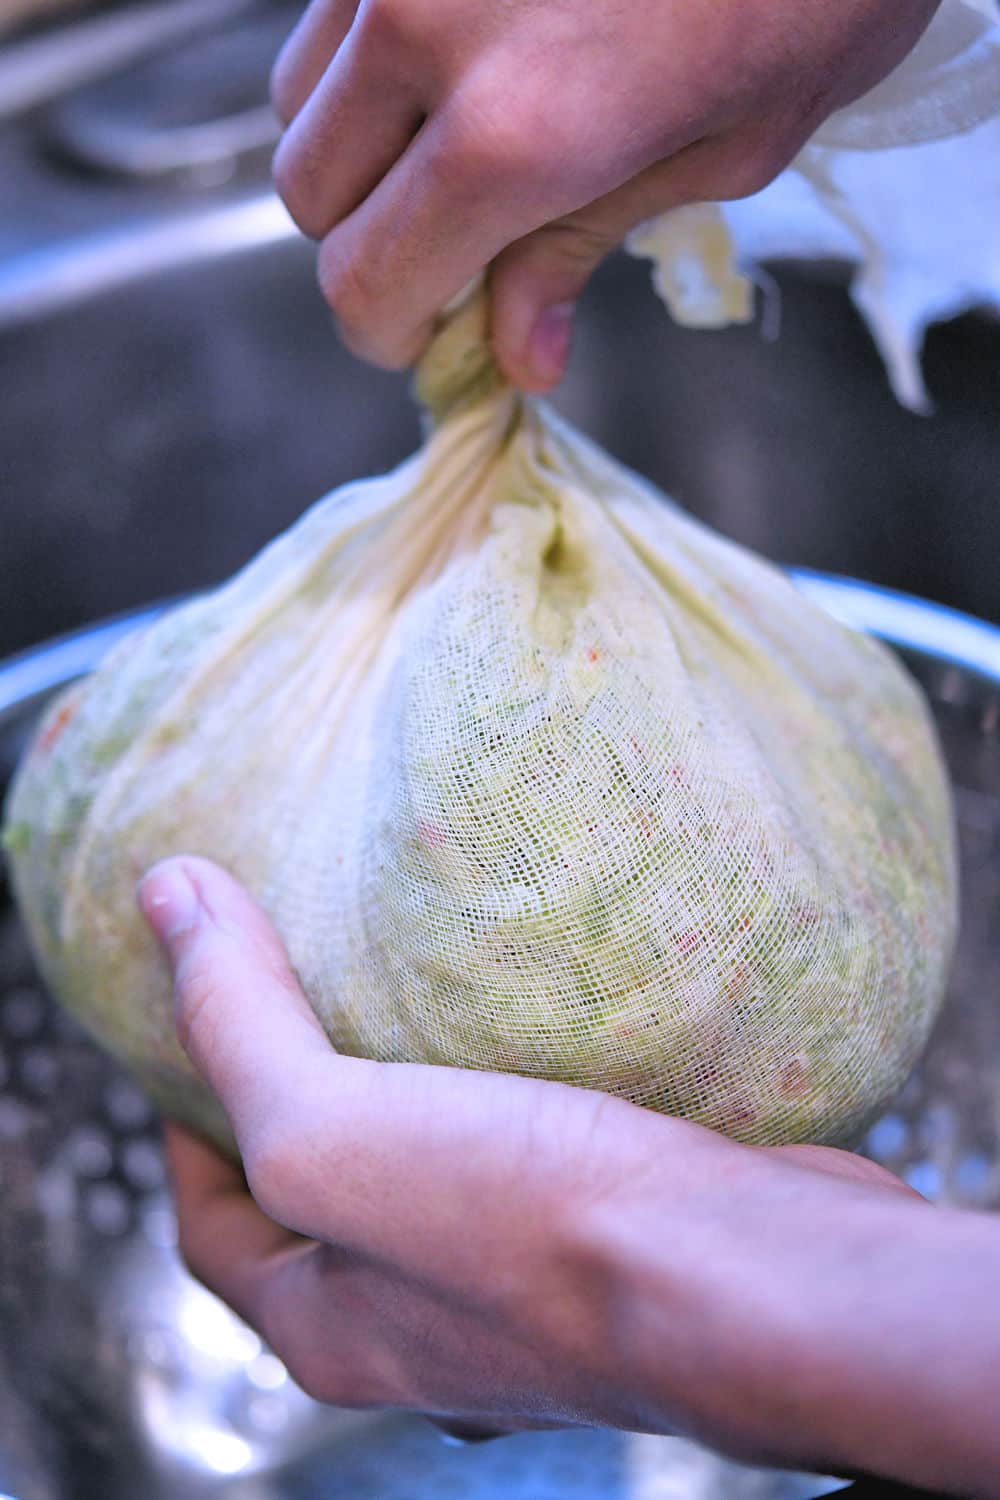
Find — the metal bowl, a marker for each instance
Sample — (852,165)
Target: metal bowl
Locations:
(120,1376)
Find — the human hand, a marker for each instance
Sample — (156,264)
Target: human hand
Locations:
(491,1250)
(428,139)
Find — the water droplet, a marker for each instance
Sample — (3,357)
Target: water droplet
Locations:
(156,1346)
(55,1193)
(952,686)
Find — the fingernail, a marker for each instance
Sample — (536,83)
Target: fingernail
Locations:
(169,901)
(549,341)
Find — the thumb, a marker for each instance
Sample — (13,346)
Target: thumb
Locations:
(536,281)
(239,1010)
(534,285)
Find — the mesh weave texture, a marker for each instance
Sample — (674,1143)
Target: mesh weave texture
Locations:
(534,773)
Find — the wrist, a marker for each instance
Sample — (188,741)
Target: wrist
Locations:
(885,1339)
(792,1317)
(687,1271)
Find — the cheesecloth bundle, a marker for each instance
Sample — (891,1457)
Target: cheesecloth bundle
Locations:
(533,773)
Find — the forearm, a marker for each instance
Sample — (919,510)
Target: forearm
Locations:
(892,1351)
(793,1318)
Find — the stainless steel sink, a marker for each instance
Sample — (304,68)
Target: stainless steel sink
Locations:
(184,397)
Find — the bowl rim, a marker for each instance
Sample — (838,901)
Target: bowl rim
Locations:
(901,620)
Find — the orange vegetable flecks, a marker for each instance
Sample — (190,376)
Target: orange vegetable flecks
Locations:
(53,730)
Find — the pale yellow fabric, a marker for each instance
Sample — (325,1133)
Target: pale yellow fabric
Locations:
(534,773)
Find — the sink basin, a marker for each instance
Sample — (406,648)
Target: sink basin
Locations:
(156,434)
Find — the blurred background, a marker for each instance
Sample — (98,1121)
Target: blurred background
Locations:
(171,395)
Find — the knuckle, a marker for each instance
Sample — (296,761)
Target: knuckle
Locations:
(387,23)
(282,90)
(198,994)
(347,282)
(354,289)
(275,1163)
(354,1358)
(750,169)
(576,244)
(516,142)
(487,146)
(297,172)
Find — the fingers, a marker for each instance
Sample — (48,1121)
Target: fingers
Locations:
(327,1142)
(413,188)
(225,1239)
(429,137)
(354,1332)
(350,1332)
(846,1165)
(388,1161)
(359,119)
(420,147)
(307,52)
(240,1013)
(534,286)
(323,1312)
(453,200)
(536,281)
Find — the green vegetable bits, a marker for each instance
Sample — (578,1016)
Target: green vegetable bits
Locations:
(533,773)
